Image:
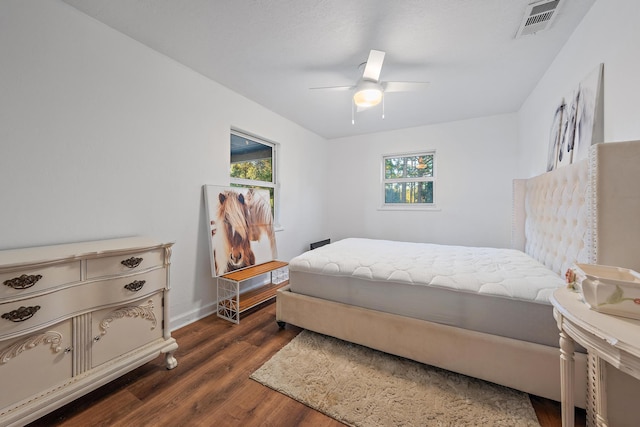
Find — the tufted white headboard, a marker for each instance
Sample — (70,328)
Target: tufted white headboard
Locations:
(586,212)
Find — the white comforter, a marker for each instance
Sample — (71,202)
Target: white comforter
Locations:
(491,271)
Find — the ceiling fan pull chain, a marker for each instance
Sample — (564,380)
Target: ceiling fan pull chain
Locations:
(383,105)
(353,112)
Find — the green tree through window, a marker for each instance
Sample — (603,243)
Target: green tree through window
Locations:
(253,165)
(409,179)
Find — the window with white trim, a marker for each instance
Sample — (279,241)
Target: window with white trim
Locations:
(408,180)
(254,165)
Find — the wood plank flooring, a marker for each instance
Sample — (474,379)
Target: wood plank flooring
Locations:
(211,385)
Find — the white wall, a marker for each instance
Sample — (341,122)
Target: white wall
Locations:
(102,137)
(608,34)
(475,164)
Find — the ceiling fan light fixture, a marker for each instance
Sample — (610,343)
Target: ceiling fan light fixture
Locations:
(368,94)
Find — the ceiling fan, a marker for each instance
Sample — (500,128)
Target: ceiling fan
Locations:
(369,90)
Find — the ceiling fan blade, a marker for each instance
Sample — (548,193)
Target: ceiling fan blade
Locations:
(374,65)
(404,86)
(333,88)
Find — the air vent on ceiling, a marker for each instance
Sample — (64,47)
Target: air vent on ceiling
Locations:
(538,17)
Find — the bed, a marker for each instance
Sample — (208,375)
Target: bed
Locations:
(482,312)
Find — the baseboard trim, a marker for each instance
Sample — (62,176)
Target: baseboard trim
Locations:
(191,316)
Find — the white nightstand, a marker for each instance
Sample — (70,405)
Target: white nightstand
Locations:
(607,338)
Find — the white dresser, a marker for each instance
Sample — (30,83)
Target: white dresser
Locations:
(74,317)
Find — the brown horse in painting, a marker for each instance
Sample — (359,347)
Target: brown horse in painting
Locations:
(240,222)
(232,233)
(260,219)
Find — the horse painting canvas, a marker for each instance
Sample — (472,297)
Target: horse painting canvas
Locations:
(240,228)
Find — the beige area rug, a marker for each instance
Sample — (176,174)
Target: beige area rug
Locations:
(363,387)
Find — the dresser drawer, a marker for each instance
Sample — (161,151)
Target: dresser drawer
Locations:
(121,329)
(32,313)
(36,279)
(123,264)
(121,289)
(35,362)
(28,313)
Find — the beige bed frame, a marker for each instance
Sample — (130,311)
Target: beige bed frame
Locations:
(585,212)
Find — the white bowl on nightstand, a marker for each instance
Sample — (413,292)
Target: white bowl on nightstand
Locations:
(611,290)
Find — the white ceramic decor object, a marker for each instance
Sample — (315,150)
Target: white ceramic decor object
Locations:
(608,289)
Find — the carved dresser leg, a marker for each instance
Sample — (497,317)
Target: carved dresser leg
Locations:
(170,361)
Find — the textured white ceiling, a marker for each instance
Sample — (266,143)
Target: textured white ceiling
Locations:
(273,51)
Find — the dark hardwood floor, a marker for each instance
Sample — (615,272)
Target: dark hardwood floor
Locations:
(211,385)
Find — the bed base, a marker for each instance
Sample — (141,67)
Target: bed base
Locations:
(532,368)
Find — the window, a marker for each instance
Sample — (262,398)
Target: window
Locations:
(409,180)
(254,165)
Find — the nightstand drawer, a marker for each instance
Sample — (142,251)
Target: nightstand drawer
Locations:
(123,264)
(35,279)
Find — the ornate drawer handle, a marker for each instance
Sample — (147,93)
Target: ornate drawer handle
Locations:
(135,286)
(132,262)
(21,314)
(23,282)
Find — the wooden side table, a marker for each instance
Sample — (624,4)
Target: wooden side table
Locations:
(607,338)
(231,302)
